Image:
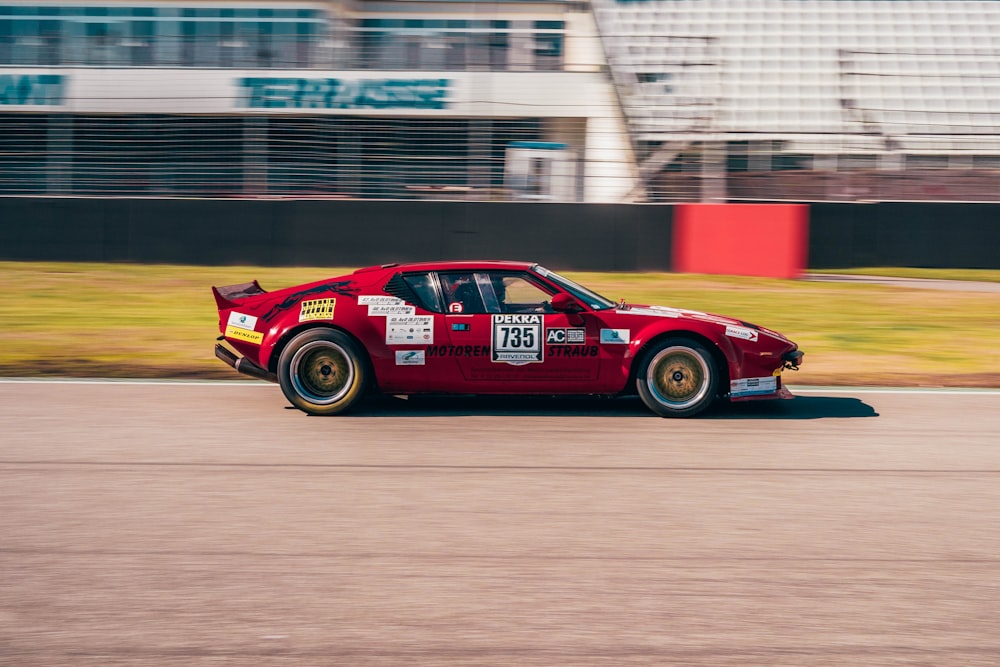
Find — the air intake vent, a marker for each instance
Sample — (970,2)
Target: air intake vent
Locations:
(398,288)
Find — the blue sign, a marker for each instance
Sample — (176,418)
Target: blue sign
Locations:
(280,93)
(31,89)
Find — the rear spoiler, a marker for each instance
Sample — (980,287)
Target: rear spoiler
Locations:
(230,295)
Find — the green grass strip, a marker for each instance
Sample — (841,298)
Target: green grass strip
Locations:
(131,320)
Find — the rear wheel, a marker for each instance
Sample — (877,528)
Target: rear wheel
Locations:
(678,378)
(322,372)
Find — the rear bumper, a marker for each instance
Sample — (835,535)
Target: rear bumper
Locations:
(242,364)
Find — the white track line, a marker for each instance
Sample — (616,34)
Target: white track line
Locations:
(964,391)
(134,382)
(795,389)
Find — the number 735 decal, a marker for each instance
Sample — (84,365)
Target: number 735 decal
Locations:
(517,339)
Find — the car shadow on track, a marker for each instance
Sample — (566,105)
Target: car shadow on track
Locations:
(801,407)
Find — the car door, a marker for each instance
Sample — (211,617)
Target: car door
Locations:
(420,343)
(506,338)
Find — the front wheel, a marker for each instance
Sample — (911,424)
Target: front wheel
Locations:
(678,378)
(322,372)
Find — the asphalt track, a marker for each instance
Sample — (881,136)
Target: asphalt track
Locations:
(191,524)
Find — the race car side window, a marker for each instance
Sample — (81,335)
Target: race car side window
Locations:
(425,289)
(516,294)
(461,293)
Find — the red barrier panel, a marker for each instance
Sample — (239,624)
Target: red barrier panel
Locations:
(769,240)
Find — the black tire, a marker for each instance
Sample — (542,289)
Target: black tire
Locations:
(323,372)
(678,377)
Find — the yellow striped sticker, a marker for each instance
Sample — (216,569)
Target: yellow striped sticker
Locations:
(317,309)
(254,337)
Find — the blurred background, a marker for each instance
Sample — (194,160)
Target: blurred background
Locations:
(607,101)
(152,148)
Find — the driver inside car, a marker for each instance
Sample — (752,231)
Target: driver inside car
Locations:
(462,295)
(516,295)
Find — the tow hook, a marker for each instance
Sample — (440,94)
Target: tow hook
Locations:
(792,359)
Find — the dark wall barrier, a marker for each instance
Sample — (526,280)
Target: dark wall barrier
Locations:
(599,237)
(593,237)
(905,234)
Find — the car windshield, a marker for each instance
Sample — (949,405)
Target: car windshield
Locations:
(592,299)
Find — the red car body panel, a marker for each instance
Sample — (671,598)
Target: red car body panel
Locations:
(457,352)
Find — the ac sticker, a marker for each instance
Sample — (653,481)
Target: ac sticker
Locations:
(573,336)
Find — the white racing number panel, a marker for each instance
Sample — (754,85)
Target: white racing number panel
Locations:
(517,339)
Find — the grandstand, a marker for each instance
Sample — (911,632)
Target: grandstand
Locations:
(545,100)
(809,99)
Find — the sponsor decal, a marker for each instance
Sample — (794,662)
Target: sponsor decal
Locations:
(460,326)
(409,330)
(517,340)
(379,300)
(32,90)
(753,386)
(741,332)
(573,351)
(572,336)
(317,309)
(666,311)
(615,336)
(475,351)
(342,287)
(410,357)
(242,321)
(714,319)
(379,309)
(653,311)
(458,351)
(237,333)
(327,93)
(456,307)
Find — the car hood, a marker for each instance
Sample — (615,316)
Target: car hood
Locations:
(734,327)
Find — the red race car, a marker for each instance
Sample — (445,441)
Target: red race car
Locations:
(490,328)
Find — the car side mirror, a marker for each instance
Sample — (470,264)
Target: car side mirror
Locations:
(565,303)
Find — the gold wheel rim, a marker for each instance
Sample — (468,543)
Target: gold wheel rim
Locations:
(322,372)
(678,377)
